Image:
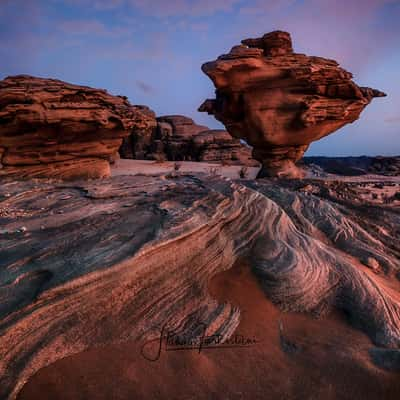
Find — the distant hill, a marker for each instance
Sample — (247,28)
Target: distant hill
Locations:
(355,166)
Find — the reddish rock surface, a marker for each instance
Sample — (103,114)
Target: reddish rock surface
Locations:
(176,133)
(219,146)
(56,129)
(281,101)
(139,143)
(179,138)
(93,265)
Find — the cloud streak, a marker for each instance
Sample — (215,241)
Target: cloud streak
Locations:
(162,8)
(342,29)
(393,120)
(145,88)
(83,27)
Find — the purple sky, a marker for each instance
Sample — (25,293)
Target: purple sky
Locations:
(152,50)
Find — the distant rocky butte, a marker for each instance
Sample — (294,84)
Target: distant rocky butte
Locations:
(55,129)
(179,138)
(281,101)
(377,165)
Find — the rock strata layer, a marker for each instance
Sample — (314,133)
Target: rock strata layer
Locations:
(86,264)
(281,101)
(179,138)
(56,129)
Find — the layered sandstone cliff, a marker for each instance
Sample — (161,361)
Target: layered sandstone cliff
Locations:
(281,101)
(56,129)
(179,138)
(50,128)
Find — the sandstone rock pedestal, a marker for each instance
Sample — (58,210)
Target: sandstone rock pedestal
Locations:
(281,101)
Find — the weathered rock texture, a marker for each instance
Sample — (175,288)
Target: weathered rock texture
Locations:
(179,138)
(50,128)
(281,101)
(53,128)
(219,146)
(139,143)
(86,264)
(176,134)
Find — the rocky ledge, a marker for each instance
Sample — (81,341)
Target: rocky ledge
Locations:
(56,129)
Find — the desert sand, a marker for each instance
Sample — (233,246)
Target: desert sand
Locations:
(297,357)
(148,167)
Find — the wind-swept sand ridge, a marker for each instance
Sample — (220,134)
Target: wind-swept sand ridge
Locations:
(116,260)
(306,358)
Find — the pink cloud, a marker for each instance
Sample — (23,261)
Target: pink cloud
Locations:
(349,31)
(265,7)
(91,28)
(83,27)
(163,8)
(393,120)
(150,48)
(107,4)
(101,5)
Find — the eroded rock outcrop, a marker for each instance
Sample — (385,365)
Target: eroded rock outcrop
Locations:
(53,128)
(140,140)
(151,246)
(218,146)
(281,101)
(176,134)
(179,138)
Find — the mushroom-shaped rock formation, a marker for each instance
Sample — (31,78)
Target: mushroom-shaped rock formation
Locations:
(281,101)
(50,128)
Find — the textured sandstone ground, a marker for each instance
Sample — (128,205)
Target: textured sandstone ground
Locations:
(311,359)
(91,269)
